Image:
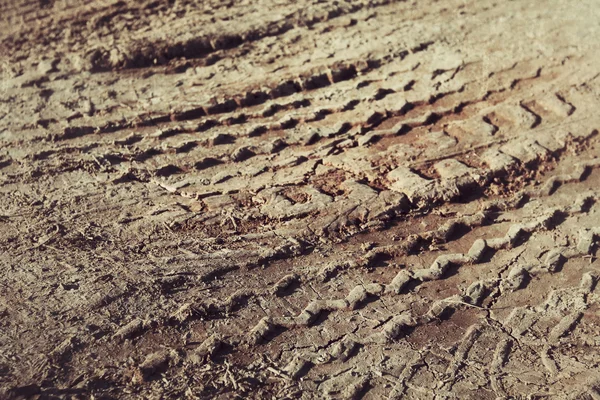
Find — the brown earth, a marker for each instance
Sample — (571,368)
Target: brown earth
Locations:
(260,199)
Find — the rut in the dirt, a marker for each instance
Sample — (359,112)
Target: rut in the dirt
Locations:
(360,199)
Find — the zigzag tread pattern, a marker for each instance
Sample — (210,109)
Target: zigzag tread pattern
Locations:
(307,199)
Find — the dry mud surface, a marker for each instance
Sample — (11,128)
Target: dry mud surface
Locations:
(311,199)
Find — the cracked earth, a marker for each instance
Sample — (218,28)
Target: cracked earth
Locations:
(361,199)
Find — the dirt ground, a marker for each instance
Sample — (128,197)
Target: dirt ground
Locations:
(375,199)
